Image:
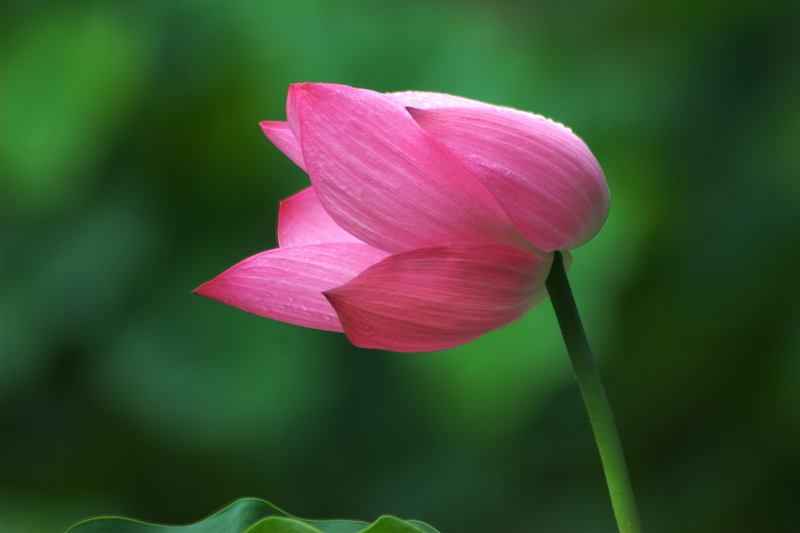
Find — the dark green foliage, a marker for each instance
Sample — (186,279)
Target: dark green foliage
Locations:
(251,515)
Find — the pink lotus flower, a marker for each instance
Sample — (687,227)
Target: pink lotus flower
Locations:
(431,219)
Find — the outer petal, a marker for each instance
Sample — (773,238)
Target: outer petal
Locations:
(286,284)
(429,100)
(302,220)
(435,298)
(284,140)
(383,179)
(543,175)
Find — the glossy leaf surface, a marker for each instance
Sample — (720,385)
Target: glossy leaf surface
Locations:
(252,515)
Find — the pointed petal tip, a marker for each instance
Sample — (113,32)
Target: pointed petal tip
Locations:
(305,87)
(272,129)
(267,125)
(295,89)
(331,296)
(360,336)
(205,289)
(281,135)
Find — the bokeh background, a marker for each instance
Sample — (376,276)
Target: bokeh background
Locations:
(133,169)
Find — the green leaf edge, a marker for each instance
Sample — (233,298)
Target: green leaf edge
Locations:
(294,526)
(279,516)
(423,526)
(388,520)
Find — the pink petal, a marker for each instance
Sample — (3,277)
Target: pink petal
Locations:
(284,140)
(429,100)
(286,284)
(436,298)
(382,178)
(543,175)
(302,220)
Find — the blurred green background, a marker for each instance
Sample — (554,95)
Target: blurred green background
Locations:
(133,169)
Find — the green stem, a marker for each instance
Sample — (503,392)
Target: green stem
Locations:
(594,398)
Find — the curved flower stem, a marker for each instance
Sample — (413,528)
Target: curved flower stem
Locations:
(594,398)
